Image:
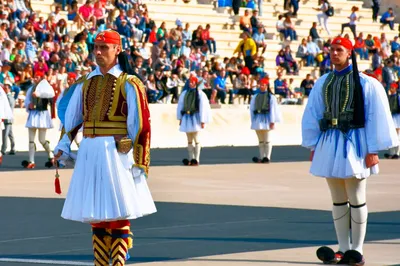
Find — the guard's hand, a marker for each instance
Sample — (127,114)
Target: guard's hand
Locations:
(31,107)
(312,155)
(57,156)
(271,125)
(371,160)
(34,95)
(202,125)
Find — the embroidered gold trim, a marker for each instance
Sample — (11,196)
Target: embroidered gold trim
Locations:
(106,124)
(104,131)
(118,92)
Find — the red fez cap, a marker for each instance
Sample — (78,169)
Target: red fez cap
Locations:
(264,81)
(108,36)
(346,43)
(394,85)
(71,75)
(193,79)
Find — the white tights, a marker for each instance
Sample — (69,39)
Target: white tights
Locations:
(343,192)
(264,143)
(194,150)
(42,140)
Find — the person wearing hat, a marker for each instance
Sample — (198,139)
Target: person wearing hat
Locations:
(6,114)
(264,113)
(346,122)
(394,103)
(108,186)
(39,120)
(193,112)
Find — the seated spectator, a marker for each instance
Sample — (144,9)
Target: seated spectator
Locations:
(325,66)
(302,52)
(74,15)
(232,68)
(314,34)
(280,27)
(241,86)
(281,62)
(395,44)
(387,18)
(197,40)
(87,12)
(292,62)
(245,22)
(255,22)
(376,59)
(259,38)
(161,32)
(360,48)
(306,85)
(370,44)
(153,93)
(280,86)
(162,62)
(289,27)
(312,47)
(220,89)
(186,33)
(204,83)
(208,40)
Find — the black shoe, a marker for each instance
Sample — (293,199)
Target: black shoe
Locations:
(256,160)
(185,162)
(395,157)
(328,256)
(49,163)
(24,163)
(354,258)
(265,160)
(194,162)
(11,153)
(388,156)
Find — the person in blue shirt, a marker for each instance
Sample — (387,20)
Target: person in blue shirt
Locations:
(220,90)
(388,18)
(395,45)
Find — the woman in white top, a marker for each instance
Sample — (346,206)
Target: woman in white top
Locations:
(352,23)
(323,16)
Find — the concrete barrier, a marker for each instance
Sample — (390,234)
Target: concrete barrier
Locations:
(230,127)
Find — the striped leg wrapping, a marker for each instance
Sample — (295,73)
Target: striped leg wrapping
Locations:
(101,240)
(120,243)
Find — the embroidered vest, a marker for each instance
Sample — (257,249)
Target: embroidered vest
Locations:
(191,102)
(339,99)
(262,103)
(40,104)
(105,108)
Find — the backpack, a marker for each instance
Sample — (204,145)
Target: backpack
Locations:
(331,11)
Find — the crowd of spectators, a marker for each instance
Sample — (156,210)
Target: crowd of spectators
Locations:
(165,58)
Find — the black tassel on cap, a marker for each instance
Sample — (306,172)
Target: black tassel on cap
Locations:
(359,112)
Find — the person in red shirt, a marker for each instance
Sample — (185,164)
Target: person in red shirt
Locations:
(209,40)
(359,47)
(87,12)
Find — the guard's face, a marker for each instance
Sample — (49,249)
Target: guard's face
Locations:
(339,54)
(106,53)
(263,86)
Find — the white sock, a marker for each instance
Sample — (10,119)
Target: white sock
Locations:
(268,150)
(341,219)
(32,148)
(261,147)
(197,150)
(190,151)
(359,216)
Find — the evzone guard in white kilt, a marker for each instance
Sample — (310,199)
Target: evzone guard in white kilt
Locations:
(37,101)
(264,113)
(346,122)
(394,103)
(109,183)
(193,112)
(5,114)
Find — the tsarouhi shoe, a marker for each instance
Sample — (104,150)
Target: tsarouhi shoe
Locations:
(256,160)
(194,162)
(354,258)
(328,256)
(49,163)
(265,160)
(185,162)
(28,165)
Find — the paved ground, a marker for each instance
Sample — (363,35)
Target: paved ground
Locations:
(233,213)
